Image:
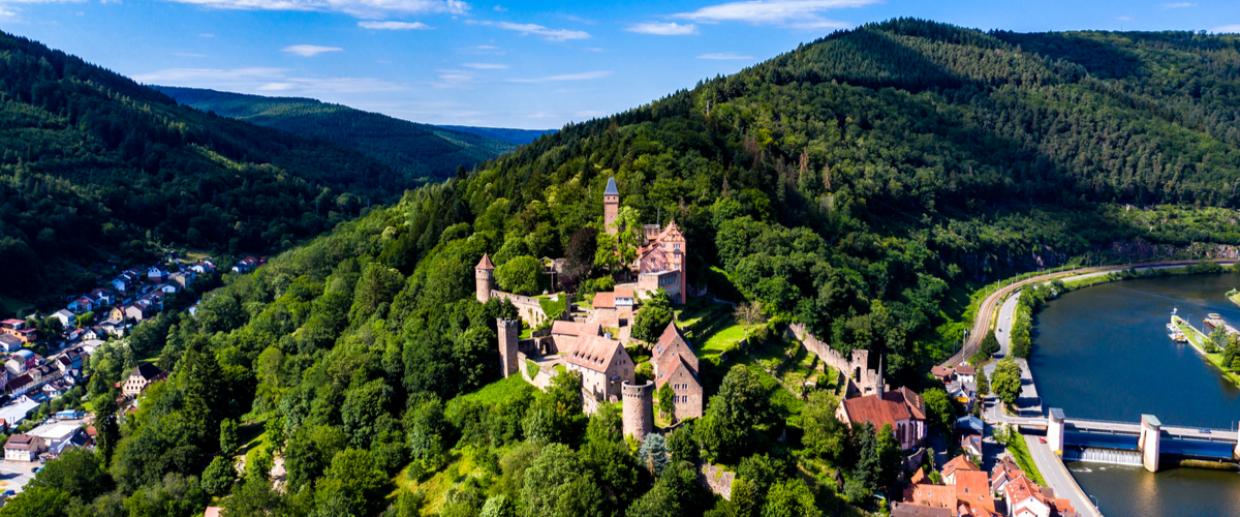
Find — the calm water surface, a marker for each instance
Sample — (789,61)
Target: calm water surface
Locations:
(1103,352)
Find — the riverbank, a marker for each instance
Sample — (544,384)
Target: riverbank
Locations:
(1198,340)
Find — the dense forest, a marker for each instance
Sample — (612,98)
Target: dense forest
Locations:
(859,184)
(94,167)
(416,150)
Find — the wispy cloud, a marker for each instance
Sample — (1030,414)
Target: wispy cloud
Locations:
(802,14)
(453,79)
(1179,5)
(305,50)
(579,76)
(1229,29)
(393,26)
(265,80)
(358,8)
(486,66)
(724,56)
(547,33)
(663,28)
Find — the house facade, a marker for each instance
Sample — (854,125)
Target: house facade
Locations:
(22,447)
(676,365)
(140,378)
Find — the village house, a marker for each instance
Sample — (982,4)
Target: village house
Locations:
(141,377)
(899,509)
(19,329)
(902,409)
(10,343)
(973,496)
(65,317)
(676,365)
(20,361)
(22,447)
(138,311)
(958,464)
(58,436)
(81,304)
(101,297)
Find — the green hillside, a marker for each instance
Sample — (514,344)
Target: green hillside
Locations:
(417,150)
(94,167)
(861,184)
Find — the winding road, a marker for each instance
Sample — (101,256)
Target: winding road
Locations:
(986,311)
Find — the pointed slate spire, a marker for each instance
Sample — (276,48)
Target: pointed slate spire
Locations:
(611,189)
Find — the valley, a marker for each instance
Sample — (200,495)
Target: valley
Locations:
(769,294)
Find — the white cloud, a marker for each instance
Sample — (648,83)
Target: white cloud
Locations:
(724,56)
(486,66)
(358,8)
(1179,5)
(578,76)
(1230,29)
(265,80)
(663,28)
(305,50)
(393,26)
(801,14)
(547,33)
(7,14)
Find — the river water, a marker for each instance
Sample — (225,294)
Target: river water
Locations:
(1102,352)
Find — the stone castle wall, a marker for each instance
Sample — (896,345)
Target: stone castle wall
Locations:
(862,379)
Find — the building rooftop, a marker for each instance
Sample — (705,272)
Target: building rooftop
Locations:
(485,263)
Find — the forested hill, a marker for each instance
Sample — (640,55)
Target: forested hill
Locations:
(418,150)
(94,166)
(862,184)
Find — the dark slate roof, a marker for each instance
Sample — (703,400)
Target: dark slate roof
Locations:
(611,189)
(148,371)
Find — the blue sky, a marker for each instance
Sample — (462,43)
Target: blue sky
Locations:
(507,63)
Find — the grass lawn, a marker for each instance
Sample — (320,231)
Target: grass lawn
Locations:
(498,392)
(725,340)
(1019,450)
(1197,339)
(1234,296)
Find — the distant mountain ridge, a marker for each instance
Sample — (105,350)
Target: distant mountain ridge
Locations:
(419,150)
(95,167)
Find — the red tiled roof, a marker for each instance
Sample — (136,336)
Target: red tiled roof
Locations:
(604,300)
(964,369)
(935,496)
(899,509)
(594,353)
(485,263)
(876,411)
(973,488)
(624,291)
(960,463)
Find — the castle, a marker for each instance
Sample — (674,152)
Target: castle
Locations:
(660,262)
(593,346)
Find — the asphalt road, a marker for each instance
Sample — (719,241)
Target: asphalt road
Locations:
(1057,477)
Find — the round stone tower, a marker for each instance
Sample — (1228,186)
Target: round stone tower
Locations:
(638,409)
(484,279)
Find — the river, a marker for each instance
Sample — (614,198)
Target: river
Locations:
(1102,352)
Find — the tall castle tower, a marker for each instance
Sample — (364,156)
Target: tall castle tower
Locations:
(507,331)
(637,409)
(484,279)
(611,205)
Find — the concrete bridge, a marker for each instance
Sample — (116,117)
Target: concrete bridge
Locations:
(1149,437)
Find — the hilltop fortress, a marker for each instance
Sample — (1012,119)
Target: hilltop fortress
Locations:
(593,345)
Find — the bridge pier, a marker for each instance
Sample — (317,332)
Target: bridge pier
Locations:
(1054,430)
(1150,442)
